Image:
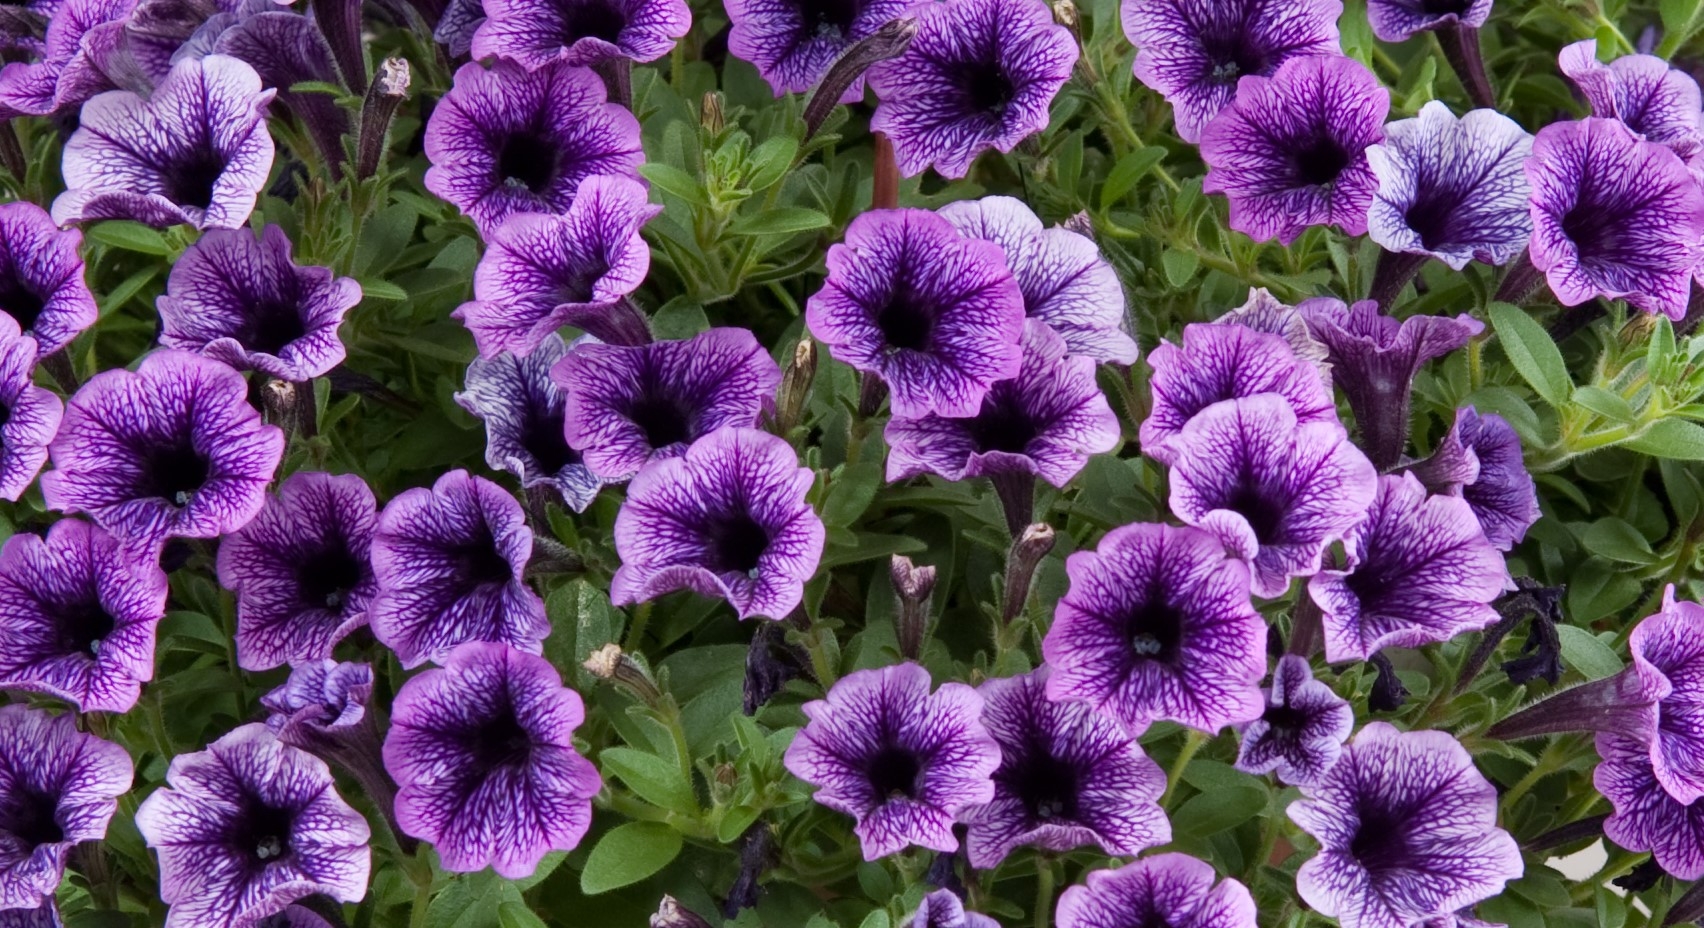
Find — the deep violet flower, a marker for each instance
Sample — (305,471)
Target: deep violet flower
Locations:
(78,616)
(537,33)
(1195,51)
(1273,491)
(197,151)
(41,277)
(979,75)
(248,826)
(543,271)
(1419,570)
(1398,20)
(1613,216)
(301,569)
(285,48)
(522,410)
(901,760)
(1065,281)
(455,29)
(64,75)
(1047,421)
(935,314)
(1407,829)
(1656,101)
(243,301)
(726,519)
(944,909)
(450,562)
(58,787)
(628,405)
(1175,890)
(29,415)
(1157,624)
(1068,776)
(321,699)
(505,140)
(172,449)
(1291,150)
(1647,817)
(483,755)
(1302,732)
(45,915)
(1480,461)
(792,43)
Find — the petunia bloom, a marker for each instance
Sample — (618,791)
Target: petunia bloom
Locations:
(245,302)
(196,151)
(901,760)
(63,75)
(1407,830)
(78,616)
(455,28)
(248,826)
(450,563)
(1263,312)
(172,449)
(29,415)
(979,75)
(41,277)
(1158,624)
(1398,20)
(1174,890)
(944,909)
(505,140)
(301,570)
(320,700)
(1654,99)
(727,519)
(792,43)
(539,33)
(938,316)
(1303,729)
(1648,817)
(1068,776)
(483,754)
(1195,51)
(58,788)
(1480,461)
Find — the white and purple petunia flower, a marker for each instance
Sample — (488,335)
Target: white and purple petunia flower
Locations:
(450,563)
(1068,776)
(41,277)
(63,73)
(980,75)
(1303,729)
(944,909)
(539,33)
(937,315)
(1290,151)
(1480,460)
(1398,20)
(29,415)
(320,699)
(196,151)
(301,569)
(1263,312)
(243,301)
(58,787)
(1647,816)
(1158,624)
(505,140)
(78,616)
(1419,570)
(1648,95)
(172,449)
(1174,890)
(792,43)
(482,751)
(727,519)
(523,413)
(901,760)
(1407,829)
(249,826)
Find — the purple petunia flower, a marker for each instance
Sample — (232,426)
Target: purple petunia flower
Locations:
(29,415)
(1068,776)
(321,699)
(45,915)
(792,43)
(1273,491)
(979,75)
(1048,420)
(1398,20)
(625,406)
(506,141)
(539,33)
(1302,733)
(1480,461)
(244,302)
(1419,570)
(1452,189)
(1291,150)
(483,753)
(78,615)
(196,151)
(1174,890)
(1647,816)
(1407,829)
(172,449)
(64,75)
(935,314)
(301,569)
(1158,624)
(1658,102)
(450,564)
(727,519)
(455,28)
(41,277)
(1613,216)
(899,759)
(944,909)
(541,272)
(1263,312)
(249,826)
(523,413)
(1195,51)
(58,787)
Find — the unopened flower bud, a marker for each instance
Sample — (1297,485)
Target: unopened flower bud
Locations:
(795,389)
(710,113)
(890,41)
(913,587)
(611,663)
(1031,545)
(378,111)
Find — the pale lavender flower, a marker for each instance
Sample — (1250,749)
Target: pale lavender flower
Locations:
(1174,890)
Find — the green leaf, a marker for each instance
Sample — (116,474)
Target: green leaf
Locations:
(382,290)
(1588,653)
(1605,403)
(627,855)
(1678,15)
(850,492)
(876,919)
(1124,175)
(673,180)
(735,823)
(786,220)
(1533,353)
(1180,266)
(655,780)
(1207,814)
(769,162)
(1617,540)
(517,915)
(130,236)
(325,87)
(1674,439)
(868,547)
(471,901)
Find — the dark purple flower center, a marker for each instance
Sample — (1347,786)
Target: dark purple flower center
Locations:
(32,818)
(1429,217)
(1045,784)
(501,742)
(1443,7)
(1003,426)
(327,577)
(19,301)
(906,323)
(593,19)
(1284,721)
(272,325)
(736,544)
(480,564)
(895,772)
(528,160)
(544,440)
(190,182)
(1380,843)
(83,626)
(575,285)
(828,17)
(1232,56)
(1592,231)
(263,832)
(1320,161)
(174,472)
(985,87)
(661,418)
(1264,515)
(1154,630)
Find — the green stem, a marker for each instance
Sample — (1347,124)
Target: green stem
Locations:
(1113,112)
(1043,891)
(636,631)
(1543,767)
(1269,826)
(1192,742)
(422,903)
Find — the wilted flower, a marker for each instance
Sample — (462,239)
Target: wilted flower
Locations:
(1480,461)
(321,700)
(1647,816)
(29,415)
(1397,20)
(1644,92)
(944,909)
(792,43)
(41,277)
(539,33)
(1175,890)
(1302,731)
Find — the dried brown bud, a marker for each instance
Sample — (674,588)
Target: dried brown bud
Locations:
(671,914)
(611,663)
(710,113)
(795,389)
